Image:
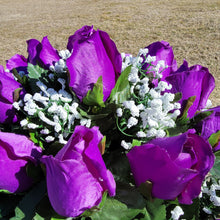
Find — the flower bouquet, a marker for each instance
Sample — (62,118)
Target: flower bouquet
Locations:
(91,133)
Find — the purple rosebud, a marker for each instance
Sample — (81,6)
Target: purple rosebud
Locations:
(192,81)
(16,151)
(163,51)
(176,166)
(77,176)
(210,125)
(94,54)
(7,87)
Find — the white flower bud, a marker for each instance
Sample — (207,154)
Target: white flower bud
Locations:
(176,212)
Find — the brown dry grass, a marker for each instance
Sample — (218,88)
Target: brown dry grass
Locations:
(191,27)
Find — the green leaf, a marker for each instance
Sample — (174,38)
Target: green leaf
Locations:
(26,207)
(191,211)
(121,91)
(115,210)
(136,142)
(95,96)
(34,71)
(156,209)
(20,79)
(216,168)
(214,139)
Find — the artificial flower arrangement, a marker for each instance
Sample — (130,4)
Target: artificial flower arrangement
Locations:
(89,133)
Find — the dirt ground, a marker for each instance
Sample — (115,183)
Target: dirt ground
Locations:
(191,27)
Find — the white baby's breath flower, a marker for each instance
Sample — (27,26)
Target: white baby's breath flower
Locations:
(16,105)
(126,145)
(49,139)
(143,51)
(23,122)
(45,131)
(119,112)
(207,210)
(132,122)
(176,213)
(32,125)
(141,134)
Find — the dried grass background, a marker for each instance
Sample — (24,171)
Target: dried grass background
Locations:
(191,27)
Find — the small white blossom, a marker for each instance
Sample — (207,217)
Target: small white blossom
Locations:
(57,127)
(141,134)
(126,145)
(16,105)
(119,112)
(42,86)
(150,59)
(32,126)
(143,51)
(27,97)
(49,139)
(176,213)
(45,131)
(132,122)
(62,82)
(65,96)
(207,210)
(61,140)
(23,122)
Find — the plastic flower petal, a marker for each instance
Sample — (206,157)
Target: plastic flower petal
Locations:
(192,81)
(16,151)
(94,54)
(176,166)
(77,176)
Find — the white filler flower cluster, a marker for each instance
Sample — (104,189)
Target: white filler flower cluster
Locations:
(211,191)
(152,110)
(52,111)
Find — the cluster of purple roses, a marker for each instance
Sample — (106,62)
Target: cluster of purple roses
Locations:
(77,176)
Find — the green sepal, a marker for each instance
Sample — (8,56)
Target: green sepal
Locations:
(183,119)
(216,167)
(121,91)
(20,79)
(214,139)
(95,96)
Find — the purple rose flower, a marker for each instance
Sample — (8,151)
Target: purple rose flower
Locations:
(41,53)
(94,54)
(163,51)
(210,125)
(192,81)
(176,166)
(16,151)
(77,175)
(7,87)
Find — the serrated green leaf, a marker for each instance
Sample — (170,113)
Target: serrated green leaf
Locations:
(214,139)
(34,71)
(95,96)
(121,91)
(26,207)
